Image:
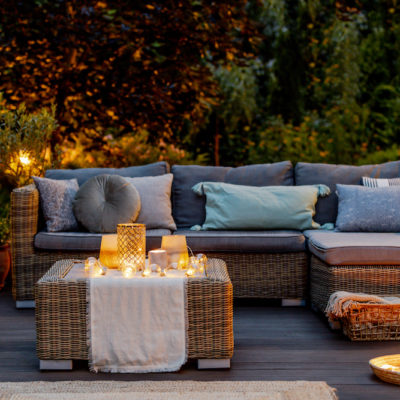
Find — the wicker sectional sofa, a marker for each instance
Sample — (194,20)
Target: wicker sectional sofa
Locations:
(289,265)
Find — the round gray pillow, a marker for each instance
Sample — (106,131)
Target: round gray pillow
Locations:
(105,201)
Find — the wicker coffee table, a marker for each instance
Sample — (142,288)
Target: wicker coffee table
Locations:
(61,308)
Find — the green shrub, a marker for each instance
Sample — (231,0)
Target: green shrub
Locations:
(5,230)
(25,143)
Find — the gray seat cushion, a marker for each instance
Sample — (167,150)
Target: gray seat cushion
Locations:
(331,174)
(281,241)
(354,248)
(84,174)
(86,241)
(188,209)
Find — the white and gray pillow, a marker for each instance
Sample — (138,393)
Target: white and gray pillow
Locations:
(379,182)
(155,196)
(56,197)
(368,209)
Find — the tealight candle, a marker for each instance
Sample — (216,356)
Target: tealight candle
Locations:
(90,264)
(202,262)
(146,272)
(190,271)
(99,268)
(176,248)
(155,268)
(158,257)
(128,271)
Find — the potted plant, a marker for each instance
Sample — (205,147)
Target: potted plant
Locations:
(5,254)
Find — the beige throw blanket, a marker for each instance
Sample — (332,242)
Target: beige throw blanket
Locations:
(137,324)
(339,303)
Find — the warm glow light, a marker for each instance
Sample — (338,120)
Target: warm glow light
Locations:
(24,158)
(128,271)
(190,271)
(146,272)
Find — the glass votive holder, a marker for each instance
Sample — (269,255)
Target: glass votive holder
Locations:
(202,262)
(191,271)
(146,272)
(128,270)
(90,264)
(155,268)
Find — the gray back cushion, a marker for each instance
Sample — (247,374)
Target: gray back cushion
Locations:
(188,209)
(155,198)
(331,174)
(105,201)
(366,209)
(84,174)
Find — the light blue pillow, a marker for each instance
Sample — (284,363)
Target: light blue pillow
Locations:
(368,209)
(268,207)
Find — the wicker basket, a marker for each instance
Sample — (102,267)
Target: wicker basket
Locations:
(372,322)
(386,374)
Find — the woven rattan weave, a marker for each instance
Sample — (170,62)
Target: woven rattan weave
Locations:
(61,314)
(263,275)
(370,322)
(382,280)
(267,275)
(387,368)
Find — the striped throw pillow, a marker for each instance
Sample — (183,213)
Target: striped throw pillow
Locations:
(380,182)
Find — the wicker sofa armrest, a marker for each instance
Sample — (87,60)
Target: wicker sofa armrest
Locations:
(24,226)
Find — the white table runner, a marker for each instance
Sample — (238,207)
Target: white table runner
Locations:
(138,324)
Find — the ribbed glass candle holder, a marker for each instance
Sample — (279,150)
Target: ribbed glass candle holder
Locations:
(131,245)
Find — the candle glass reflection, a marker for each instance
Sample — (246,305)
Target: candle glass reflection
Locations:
(128,270)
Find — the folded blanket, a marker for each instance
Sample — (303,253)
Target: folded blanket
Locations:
(339,303)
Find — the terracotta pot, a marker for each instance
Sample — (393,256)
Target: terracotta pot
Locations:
(5,263)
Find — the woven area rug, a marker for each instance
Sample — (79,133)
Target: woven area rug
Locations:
(166,390)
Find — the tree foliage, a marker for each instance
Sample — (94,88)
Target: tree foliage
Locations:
(128,66)
(229,82)
(25,144)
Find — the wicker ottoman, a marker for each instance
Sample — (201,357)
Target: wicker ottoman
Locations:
(61,317)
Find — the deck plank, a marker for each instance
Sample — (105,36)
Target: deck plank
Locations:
(271,343)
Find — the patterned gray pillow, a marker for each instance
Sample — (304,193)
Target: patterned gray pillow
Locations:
(56,197)
(380,182)
(368,209)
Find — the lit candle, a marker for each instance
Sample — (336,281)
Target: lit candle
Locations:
(108,251)
(190,271)
(158,257)
(128,270)
(146,272)
(155,268)
(202,262)
(90,264)
(100,269)
(176,248)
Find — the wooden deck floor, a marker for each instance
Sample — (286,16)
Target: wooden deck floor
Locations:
(271,343)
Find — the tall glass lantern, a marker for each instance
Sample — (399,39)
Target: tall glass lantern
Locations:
(131,245)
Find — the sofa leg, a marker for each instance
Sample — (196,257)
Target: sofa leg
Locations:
(25,303)
(55,364)
(212,363)
(293,302)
